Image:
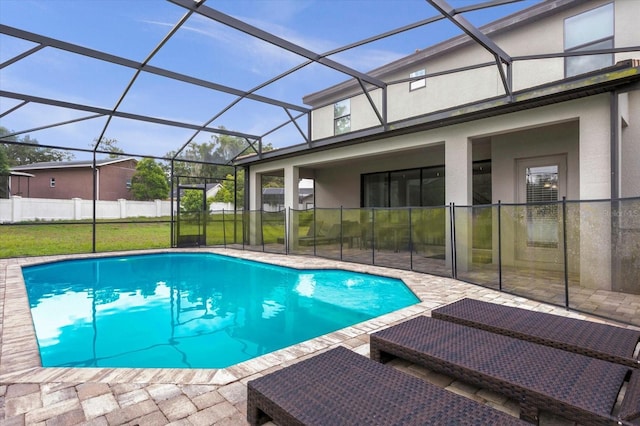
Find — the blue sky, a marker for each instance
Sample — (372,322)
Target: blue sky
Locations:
(203,49)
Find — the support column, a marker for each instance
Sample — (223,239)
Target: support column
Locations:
(291,190)
(458,190)
(255,207)
(291,201)
(595,183)
(255,191)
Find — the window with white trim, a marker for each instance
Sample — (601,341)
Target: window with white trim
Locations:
(417,84)
(52,182)
(342,117)
(590,30)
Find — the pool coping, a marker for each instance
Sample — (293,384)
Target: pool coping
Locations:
(20,358)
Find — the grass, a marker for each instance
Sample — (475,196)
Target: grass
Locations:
(50,239)
(44,239)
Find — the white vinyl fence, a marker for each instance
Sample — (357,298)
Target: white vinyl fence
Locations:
(18,209)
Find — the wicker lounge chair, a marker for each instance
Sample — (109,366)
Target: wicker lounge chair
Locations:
(340,387)
(611,343)
(574,386)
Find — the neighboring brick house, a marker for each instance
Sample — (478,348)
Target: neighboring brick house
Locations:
(74,179)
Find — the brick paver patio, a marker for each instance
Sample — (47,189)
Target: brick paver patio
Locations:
(32,395)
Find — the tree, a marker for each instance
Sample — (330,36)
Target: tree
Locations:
(272,181)
(191,201)
(110,145)
(4,175)
(4,164)
(211,159)
(225,193)
(24,150)
(149,181)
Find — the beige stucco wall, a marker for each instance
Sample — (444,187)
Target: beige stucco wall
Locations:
(442,92)
(579,130)
(630,146)
(337,172)
(626,29)
(340,185)
(452,90)
(542,131)
(553,139)
(322,119)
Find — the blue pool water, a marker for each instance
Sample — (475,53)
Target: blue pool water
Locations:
(192,310)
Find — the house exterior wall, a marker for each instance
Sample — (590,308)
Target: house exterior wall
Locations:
(444,91)
(340,186)
(553,139)
(337,172)
(577,133)
(630,145)
(114,178)
(578,129)
(77,182)
(69,183)
(453,90)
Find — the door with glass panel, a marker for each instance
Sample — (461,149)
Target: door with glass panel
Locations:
(542,182)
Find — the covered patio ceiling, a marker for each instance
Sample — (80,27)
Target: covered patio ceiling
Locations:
(195,71)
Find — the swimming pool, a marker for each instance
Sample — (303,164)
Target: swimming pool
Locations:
(192,310)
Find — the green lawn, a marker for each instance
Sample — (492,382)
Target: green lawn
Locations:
(49,239)
(40,239)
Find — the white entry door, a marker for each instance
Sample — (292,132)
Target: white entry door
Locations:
(541,182)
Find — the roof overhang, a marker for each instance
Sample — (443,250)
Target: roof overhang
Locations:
(72,164)
(21,174)
(623,76)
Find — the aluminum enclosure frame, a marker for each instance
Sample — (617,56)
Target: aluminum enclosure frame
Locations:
(366,81)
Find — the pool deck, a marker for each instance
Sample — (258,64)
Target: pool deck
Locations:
(33,395)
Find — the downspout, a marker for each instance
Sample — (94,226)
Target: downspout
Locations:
(95,196)
(235,204)
(246,212)
(614,117)
(615,151)
(385,122)
(247,189)
(172,201)
(97,184)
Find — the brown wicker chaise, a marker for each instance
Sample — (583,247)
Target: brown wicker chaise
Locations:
(574,386)
(341,387)
(608,342)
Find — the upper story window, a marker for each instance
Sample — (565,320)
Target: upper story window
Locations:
(591,30)
(342,117)
(52,182)
(417,84)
